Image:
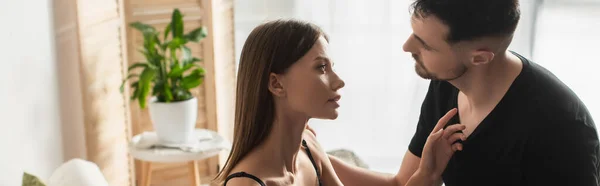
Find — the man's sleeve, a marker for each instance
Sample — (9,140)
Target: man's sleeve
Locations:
(426,123)
(563,154)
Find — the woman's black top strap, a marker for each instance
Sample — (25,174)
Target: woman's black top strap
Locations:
(312,160)
(243,174)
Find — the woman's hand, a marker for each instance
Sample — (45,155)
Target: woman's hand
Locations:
(440,146)
(311,130)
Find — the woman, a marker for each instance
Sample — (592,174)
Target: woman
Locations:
(285,78)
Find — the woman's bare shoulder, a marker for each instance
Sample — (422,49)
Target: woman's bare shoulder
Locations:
(252,165)
(242,181)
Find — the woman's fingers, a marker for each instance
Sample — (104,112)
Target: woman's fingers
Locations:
(311,130)
(453,129)
(455,137)
(435,135)
(456,146)
(444,120)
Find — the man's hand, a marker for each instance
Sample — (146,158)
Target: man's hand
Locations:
(440,146)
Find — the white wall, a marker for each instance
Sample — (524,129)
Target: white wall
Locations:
(251,13)
(566,43)
(30,129)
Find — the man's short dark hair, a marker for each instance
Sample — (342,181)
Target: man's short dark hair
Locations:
(471,19)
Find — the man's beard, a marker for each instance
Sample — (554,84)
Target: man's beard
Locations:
(426,74)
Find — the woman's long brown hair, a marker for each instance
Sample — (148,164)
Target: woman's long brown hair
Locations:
(270,48)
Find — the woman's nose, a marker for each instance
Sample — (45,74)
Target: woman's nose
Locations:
(339,83)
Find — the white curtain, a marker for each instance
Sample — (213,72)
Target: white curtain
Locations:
(381,101)
(567,42)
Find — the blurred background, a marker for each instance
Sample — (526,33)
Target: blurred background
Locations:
(63,62)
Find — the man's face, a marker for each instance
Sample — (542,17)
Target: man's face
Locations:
(435,58)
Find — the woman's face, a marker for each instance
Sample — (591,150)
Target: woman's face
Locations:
(311,85)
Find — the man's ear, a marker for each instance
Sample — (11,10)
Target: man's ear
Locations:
(276,85)
(482,56)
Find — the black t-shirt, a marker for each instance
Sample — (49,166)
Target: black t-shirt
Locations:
(540,133)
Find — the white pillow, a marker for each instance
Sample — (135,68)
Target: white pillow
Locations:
(77,172)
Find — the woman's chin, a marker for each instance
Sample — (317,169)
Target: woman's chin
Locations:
(331,115)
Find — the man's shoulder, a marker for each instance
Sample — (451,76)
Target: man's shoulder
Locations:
(540,91)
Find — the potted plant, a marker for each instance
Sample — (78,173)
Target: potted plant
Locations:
(166,77)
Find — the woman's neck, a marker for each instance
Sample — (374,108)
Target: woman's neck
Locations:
(284,140)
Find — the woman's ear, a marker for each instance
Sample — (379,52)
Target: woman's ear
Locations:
(276,85)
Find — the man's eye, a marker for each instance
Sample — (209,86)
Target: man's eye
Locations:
(427,47)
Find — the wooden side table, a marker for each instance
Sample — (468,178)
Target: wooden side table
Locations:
(205,148)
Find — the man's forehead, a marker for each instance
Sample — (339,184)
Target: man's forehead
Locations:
(429,26)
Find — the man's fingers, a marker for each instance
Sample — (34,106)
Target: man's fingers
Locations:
(450,130)
(444,120)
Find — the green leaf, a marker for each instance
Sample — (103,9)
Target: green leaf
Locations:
(135,84)
(167,31)
(131,76)
(193,60)
(144,28)
(167,93)
(31,180)
(145,52)
(200,71)
(140,64)
(178,71)
(122,88)
(152,58)
(135,94)
(141,96)
(194,79)
(165,45)
(191,83)
(187,54)
(177,24)
(144,85)
(156,39)
(181,94)
(158,87)
(150,46)
(196,35)
(175,43)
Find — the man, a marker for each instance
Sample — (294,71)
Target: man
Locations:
(523,125)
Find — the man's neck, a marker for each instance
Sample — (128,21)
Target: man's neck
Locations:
(482,85)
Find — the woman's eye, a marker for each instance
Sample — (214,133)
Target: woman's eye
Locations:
(322,67)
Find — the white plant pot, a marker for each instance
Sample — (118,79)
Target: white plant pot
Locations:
(174,122)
